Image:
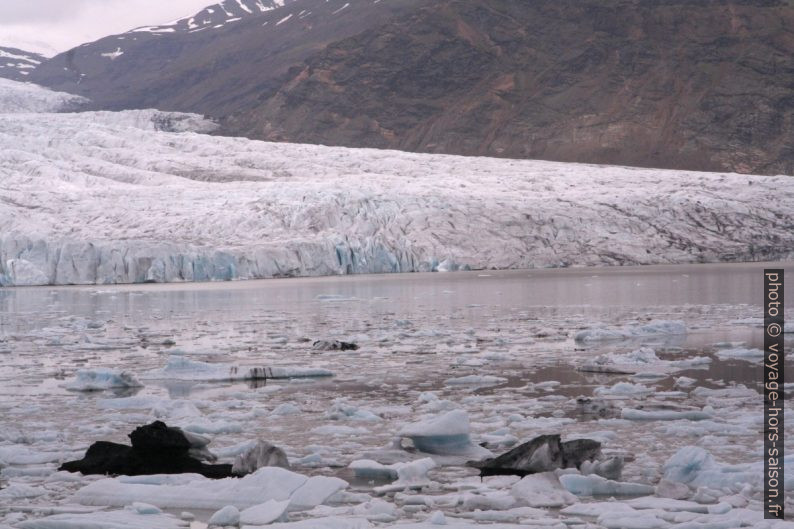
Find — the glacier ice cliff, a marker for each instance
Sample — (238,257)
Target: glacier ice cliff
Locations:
(147,196)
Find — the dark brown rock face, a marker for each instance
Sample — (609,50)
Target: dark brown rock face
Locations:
(703,85)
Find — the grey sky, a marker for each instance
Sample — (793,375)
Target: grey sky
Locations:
(50,26)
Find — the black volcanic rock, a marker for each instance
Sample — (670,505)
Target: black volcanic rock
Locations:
(156,449)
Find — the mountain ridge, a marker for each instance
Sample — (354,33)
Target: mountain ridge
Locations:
(17,64)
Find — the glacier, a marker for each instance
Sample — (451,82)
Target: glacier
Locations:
(150,196)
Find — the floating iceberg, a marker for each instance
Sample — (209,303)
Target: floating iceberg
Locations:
(265,513)
(740,353)
(475,380)
(651,329)
(594,485)
(406,475)
(99,379)
(665,415)
(181,368)
(624,389)
(228,516)
(696,467)
(542,490)
(640,361)
(191,491)
(446,434)
(125,519)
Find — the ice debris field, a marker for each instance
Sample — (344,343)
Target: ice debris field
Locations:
(643,415)
(149,196)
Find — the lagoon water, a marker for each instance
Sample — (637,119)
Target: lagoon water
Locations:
(419,335)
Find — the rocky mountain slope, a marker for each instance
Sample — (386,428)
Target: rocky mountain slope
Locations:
(16,64)
(223,60)
(698,85)
(669,83)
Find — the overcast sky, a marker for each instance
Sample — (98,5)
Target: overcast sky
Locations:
(51,26)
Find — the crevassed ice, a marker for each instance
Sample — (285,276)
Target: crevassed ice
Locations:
(145,196)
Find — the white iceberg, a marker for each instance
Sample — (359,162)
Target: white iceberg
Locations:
(658,328)
(594,485)
(740,353)
(123,519)
(228,516)
(446,434)
(475,380)
(181,368)
(98,379)
(665,415)
(192,491)
(542,490)
(265,513)
(696,467)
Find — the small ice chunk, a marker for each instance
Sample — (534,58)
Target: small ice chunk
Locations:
(265,513)
(181,368)
(369,469)
(740,353)
(120,519)
(542,490)
(262,454)
(99,379)
(229,515)
(664,415)
(144,508)
(314,492)
(624,388)
(654,328)
(191,491)
(594,485)
(444,435)
(475,380)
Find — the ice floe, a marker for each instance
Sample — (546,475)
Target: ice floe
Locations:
(181,368)
(446,434)
(98,379)
(639,331)
(191,491)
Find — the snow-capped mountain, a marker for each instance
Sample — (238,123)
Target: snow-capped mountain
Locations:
(222,60)
(17,64)
(122,197)
(215,16)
